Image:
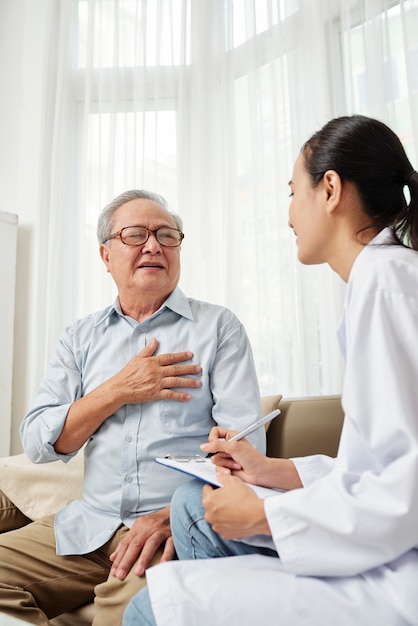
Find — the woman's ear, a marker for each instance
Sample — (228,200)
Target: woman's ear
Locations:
(332,188)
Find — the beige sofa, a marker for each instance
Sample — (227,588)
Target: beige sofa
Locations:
(305,426)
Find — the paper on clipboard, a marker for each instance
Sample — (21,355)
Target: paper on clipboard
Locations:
(203,469)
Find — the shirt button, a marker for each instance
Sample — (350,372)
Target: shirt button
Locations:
(129,479)
(129,438)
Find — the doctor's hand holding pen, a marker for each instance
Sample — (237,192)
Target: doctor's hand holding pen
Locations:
(239,458)
(235,511)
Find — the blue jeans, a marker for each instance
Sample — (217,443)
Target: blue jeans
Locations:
(193,536)
(139,610)
(193,539)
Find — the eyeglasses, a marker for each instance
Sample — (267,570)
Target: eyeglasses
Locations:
(137,235)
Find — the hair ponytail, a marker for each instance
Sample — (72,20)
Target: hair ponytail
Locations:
(406,228)
(369,154)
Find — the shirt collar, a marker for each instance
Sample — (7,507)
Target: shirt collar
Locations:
(384,237)
(176,302)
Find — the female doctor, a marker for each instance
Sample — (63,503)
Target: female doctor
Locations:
(340,546)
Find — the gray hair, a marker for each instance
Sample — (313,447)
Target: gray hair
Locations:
(105,221)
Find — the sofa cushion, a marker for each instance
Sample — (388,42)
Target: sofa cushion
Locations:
(41,489)
(310,425)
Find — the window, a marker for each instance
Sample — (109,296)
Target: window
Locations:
(388,81)
(208,103)
(129,33)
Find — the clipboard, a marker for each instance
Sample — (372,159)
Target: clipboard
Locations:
(202,468)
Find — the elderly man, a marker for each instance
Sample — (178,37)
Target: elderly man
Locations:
(148,376)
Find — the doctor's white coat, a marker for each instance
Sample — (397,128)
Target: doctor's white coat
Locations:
(347,542)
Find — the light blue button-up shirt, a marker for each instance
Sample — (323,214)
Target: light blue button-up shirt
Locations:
(121,478)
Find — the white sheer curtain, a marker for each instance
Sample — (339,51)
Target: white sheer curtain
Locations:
(208,103)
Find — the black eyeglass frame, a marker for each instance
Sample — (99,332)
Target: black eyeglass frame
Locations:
(149,231)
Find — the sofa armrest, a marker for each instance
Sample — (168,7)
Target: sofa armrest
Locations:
(310,425)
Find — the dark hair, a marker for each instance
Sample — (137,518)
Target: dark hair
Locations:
(367,153)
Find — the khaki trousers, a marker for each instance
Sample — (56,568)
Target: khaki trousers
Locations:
(37,585)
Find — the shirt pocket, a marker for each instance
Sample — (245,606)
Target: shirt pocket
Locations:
(192,418)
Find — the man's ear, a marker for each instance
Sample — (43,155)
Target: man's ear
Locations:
(332,189)
(104,253)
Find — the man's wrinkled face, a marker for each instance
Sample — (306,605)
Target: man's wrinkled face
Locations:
(150,269)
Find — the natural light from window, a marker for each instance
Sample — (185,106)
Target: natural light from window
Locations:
(121,46)
(264,14)
(396,87)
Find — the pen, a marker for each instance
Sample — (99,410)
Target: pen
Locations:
(251,428)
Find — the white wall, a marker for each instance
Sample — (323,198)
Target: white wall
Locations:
(23,45)
(8,241)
